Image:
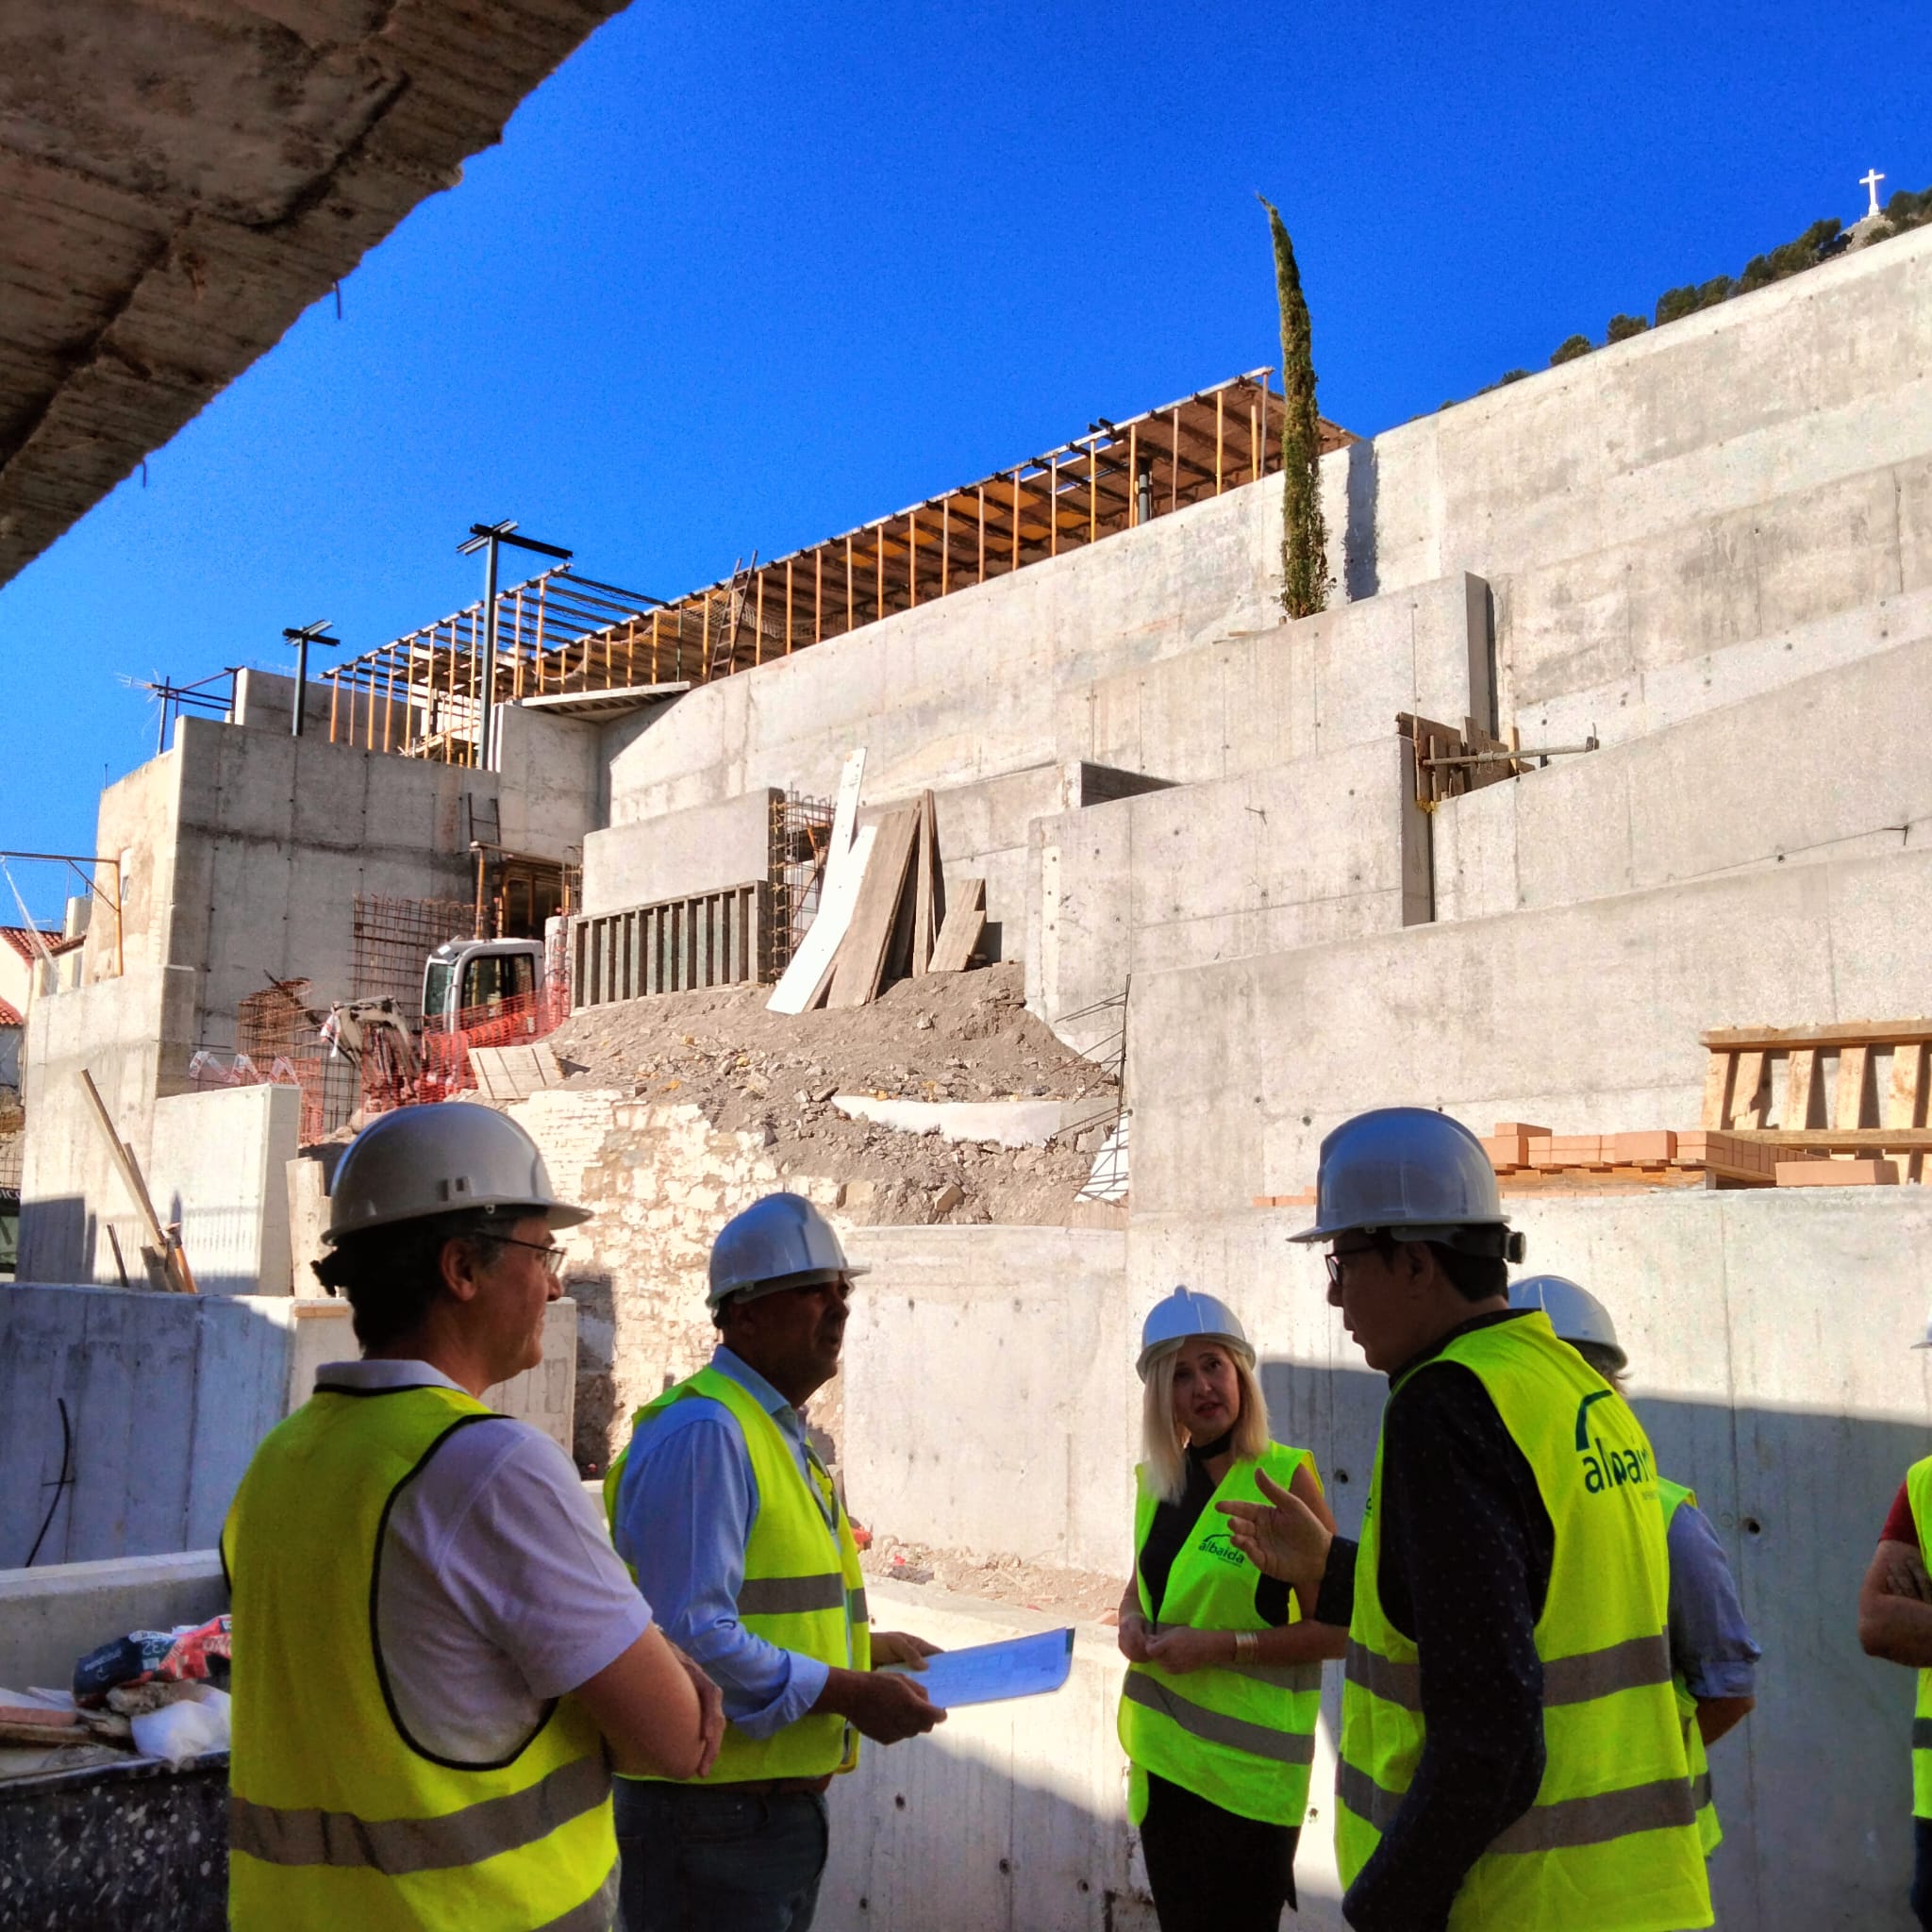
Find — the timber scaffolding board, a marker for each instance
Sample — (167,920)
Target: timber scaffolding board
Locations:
(558,632)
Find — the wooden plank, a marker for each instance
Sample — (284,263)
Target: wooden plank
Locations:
(1859,1032)
(868,940)
(1904,1104)
(1843,1140)
(806,979)
(1801,1081)
(965,922)
(925,867)
(1717,1076)
(1748,1093)
(1848,1104)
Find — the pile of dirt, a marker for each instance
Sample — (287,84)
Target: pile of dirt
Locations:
(950,1037)
(1079,1595)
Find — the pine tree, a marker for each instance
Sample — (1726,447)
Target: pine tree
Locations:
(1304,535)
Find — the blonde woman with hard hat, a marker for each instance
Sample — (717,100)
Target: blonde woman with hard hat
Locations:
(1224,1676)
(1713,1655)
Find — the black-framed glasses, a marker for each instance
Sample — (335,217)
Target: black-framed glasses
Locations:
(553,1255)
(1337,1261)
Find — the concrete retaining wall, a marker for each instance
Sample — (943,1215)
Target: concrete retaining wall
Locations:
(1328,847)
(681,855)
(166,1396)
(1834,765)
(221,1169)
(1584,1018)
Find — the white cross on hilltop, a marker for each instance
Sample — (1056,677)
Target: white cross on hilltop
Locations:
(1869,183)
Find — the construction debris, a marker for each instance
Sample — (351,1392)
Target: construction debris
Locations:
(167,1266)
(960,937)
(514,1073)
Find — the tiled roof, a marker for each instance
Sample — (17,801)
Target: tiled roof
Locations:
(10,1015)
(24,942)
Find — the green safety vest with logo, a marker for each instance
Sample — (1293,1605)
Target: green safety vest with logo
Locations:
(337,1817)
(1919,1495)
(1709,1832)
(802,1591)
(1610,1842)
(1239,1735)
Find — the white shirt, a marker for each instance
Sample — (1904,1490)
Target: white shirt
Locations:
(497,1588)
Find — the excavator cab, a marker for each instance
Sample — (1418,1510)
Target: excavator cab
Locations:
(483,984)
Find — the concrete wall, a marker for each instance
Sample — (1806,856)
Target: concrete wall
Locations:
(220,1168)
(1327,847)
(1007,1342)
(1009,1817)
(704,848)
(1584,1018)
(51,1615)
(166,1398)
(550,779)
(1832,766)
(1813,382)
(265,701)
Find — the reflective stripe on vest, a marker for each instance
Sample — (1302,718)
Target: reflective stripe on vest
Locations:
(1624,1858)
(1919,1495)
(1242,1736)
(337,1817)
(1710,1833)
(802,1587)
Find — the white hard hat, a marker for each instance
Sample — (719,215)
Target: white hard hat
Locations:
(1183,1315)
(1574,1313)
(1414,1173)
(440,1160)
(782,1241)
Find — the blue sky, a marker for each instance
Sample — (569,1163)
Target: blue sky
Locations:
(743,277)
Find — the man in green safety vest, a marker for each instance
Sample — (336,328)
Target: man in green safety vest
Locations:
(437,1654)
(1713,1655)
(1895,1623)
(736,1534)
(1510,1756)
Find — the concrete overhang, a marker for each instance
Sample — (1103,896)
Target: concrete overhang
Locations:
(603,706)
(183,177)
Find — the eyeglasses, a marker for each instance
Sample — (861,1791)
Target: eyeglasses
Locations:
(1338,1260)
(552,1254)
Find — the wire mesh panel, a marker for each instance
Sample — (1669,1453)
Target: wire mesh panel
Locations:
(278,1034)
(394,939)
(801,837)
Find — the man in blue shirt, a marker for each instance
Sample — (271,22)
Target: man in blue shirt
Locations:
(731,1525)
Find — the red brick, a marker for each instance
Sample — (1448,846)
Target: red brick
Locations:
(1504,1128)
(1643,1150)
(1837,1173)
(1507,1151)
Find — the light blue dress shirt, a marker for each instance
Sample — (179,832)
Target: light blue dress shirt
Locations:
(685,1511)
(1711,1645)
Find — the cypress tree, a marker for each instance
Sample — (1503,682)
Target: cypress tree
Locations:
(1304,535)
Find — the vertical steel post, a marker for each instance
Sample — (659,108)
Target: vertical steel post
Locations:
(485,756)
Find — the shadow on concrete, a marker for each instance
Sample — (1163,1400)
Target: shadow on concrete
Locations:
(592,1442)
(1361,574)
(1814,1789)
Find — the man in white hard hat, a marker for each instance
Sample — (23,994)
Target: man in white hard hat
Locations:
(737,1535)
(1713,1655)
(1895,1623)
(438,1655)
(1511,1754)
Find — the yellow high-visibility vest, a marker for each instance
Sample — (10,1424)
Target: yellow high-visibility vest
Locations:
(1610,1842)
(337,1818)
(1919,1495)
(1710,1833)
(1242,1736)
(802,1591)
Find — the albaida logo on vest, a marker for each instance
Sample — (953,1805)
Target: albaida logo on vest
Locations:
(1216,1544)
(1607,1469)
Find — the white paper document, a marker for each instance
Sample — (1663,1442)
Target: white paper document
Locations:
(986,1673)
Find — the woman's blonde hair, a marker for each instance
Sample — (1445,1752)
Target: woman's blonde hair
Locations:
(1161,1444)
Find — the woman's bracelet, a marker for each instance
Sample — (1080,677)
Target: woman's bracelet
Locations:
(1247,1644)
